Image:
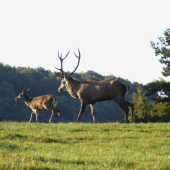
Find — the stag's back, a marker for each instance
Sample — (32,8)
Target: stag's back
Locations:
(99,90)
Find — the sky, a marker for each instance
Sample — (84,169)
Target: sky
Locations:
(113,35)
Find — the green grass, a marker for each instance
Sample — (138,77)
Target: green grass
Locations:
(84,146)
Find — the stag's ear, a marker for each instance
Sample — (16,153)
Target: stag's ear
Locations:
(23,91)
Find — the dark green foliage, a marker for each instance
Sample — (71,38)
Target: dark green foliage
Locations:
(148,111)
(158,112)
(161,86)
(162,49)
(41,82)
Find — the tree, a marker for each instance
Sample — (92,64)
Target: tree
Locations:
(148,111)
(162,49)
(142,106)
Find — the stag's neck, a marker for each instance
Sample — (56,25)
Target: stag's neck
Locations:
(73,87)
(27,100)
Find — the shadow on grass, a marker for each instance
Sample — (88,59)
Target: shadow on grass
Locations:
(121,164)
(76,162)
(59,140)
(78,130)
(9,146)
(56,160)
(43,168)
(15,136)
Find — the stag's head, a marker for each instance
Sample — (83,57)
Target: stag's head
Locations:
(64,76)
(63,86)
(22,94)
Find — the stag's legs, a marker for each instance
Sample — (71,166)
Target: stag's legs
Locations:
(126,110)
(31,117)
(126,116)
(131,106)
(92,106)
(82,108)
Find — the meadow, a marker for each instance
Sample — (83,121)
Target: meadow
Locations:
(84,146)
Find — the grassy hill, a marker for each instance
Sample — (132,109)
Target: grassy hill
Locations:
(84,146)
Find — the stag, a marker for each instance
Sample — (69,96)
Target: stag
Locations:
(92,91)
(46,102)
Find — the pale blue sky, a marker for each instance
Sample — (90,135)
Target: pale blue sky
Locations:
(113,36)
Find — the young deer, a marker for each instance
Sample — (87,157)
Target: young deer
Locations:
(92,91)
(46,102)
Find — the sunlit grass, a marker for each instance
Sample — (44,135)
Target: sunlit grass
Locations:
(84,146)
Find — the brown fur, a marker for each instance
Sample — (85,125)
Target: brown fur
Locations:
(92,91)
(45,102)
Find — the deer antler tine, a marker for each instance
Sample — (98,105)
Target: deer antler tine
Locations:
(57,68)
(58,55)
(58,74)
(77,63)
(66,55)
(61,74)
(61,69)
(76,55)
(79,51)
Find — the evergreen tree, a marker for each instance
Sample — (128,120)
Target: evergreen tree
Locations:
(162,49)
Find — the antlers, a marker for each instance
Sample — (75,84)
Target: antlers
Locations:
(61,60)
(77,63)
(61,69)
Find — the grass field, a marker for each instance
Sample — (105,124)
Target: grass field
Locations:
(84,146)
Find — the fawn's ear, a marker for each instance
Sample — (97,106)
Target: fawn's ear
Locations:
(27,90)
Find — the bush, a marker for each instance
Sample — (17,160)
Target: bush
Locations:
(147,111)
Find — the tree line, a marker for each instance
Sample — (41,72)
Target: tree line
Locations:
(40,82)
(151,101)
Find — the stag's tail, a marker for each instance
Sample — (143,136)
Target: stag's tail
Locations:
(127,91)
(54,102)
